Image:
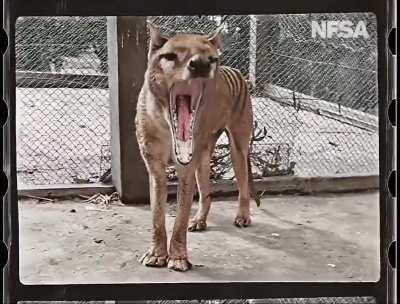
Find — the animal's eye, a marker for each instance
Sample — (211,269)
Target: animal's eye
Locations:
(169,56)
(213,59)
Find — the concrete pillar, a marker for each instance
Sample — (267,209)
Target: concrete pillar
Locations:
(127,59)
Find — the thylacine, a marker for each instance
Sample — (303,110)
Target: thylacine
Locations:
(186,101)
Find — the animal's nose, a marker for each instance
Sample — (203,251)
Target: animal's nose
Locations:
(199,68)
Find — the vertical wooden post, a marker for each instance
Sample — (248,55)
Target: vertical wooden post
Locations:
(127,59)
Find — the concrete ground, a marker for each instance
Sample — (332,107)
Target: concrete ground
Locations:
(293,238)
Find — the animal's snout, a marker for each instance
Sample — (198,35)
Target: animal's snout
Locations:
(199,67)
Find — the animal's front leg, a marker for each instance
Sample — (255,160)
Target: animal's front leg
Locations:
(157,255)
(178,258)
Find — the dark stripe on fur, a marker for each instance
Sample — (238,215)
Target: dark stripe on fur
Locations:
(227,78)
(237,85)
(234,77)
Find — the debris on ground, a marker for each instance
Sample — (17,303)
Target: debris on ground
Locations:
(39,198)
(104,201)
(98,241)
(106,177)
(78,180)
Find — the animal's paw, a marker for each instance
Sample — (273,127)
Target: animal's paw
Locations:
(179,264)
(197,225)
(150,259)
(242,221)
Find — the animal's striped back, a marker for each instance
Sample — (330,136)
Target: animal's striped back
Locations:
(237,85)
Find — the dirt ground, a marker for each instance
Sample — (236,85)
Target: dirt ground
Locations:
(293,238)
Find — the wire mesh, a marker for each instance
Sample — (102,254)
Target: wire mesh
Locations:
(314,99)
(62,99)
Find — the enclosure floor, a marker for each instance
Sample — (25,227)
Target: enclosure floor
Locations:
(293,238)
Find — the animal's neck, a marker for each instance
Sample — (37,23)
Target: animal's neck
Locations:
(154,89)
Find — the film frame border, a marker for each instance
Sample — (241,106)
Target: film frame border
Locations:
(383,290)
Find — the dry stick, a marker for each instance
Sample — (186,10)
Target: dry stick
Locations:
(103,199)
(92,198)
(38,198)
(85,197)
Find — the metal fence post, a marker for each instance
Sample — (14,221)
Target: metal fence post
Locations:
(127,59)
(253,50)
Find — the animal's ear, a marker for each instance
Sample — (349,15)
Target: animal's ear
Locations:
(215,38)
(157,40)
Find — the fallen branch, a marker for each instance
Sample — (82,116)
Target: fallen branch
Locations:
(39,198)
(104,199)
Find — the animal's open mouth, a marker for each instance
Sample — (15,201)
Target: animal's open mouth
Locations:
(184,100)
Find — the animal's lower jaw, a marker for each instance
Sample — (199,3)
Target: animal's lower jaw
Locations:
(182,144)
(183,151)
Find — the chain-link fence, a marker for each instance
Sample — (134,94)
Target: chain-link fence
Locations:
(314,99)
(62,97)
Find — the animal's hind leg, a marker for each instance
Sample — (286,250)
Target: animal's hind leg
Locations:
(199,222)
(239,144)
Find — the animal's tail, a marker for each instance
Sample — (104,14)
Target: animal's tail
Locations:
(253,192)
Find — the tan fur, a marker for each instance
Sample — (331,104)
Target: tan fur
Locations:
(225,106)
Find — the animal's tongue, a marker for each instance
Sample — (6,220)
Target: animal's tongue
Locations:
(183,109)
